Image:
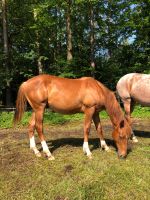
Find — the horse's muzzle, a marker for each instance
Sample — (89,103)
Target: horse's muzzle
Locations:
(122,157)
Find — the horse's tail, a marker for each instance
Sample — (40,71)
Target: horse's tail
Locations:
(117,96)
(119,99)
(20,105)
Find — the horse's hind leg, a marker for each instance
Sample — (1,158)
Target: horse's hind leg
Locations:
(31,136)
(39,128)
(99,130)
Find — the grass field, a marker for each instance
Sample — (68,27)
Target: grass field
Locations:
(72,176)
(50,118)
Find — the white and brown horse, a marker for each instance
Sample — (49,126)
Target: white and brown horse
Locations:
(70,96)
(134,88)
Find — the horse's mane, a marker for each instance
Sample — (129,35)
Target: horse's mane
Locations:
(113,107)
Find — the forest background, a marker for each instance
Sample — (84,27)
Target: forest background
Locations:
(72,38)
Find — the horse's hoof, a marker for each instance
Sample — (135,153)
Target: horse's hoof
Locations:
(38,154)
(89,156)
(51,158)
(107,149)
(135,140)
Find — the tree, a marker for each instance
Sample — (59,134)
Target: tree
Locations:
(92,39)
(104,39)
(6,63)
(68,30)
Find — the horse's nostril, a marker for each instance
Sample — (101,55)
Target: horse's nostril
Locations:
(121,155)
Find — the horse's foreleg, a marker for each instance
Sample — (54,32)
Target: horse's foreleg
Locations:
(31,136)
(128,107)
(39,127)
(87,125)
(99,130)
(133,137)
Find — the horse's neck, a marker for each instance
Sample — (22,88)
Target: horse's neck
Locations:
(113,109)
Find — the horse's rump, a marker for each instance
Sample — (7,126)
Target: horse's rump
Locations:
(135,86)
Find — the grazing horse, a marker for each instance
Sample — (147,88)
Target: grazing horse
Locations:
(134,88)
(69,96)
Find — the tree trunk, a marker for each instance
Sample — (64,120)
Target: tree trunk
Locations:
(109,20)
(69,32)
(92,41)
(6,53)
(39,61)
(57,37)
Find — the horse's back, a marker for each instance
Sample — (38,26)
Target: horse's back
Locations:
(62,94)
(135,86)
(72,95)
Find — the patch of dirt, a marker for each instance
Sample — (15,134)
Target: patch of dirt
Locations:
(68,169)
(61,198)
(14,144)
(2,136)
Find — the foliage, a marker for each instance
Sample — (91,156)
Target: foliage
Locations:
(37,31)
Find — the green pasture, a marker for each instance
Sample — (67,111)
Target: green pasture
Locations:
(51,118)
(72,176)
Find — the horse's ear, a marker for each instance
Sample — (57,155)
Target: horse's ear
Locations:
(122,124)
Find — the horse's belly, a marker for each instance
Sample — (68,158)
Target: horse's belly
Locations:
(65,107)
(65,111)
(141,94)
(142,100)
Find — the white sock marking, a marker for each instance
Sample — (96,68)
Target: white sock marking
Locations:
(86,148)
(45,148)
(104,145)
(32,142)
(33,145)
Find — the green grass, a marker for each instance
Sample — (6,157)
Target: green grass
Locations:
(51,118)
(72,176)
(141,112)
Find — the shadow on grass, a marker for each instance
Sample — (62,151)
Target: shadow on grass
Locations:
(76,142)
(144,134)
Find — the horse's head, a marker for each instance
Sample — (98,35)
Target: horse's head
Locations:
(121,135)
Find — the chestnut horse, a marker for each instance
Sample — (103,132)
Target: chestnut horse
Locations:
(134,88)
(69,96)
